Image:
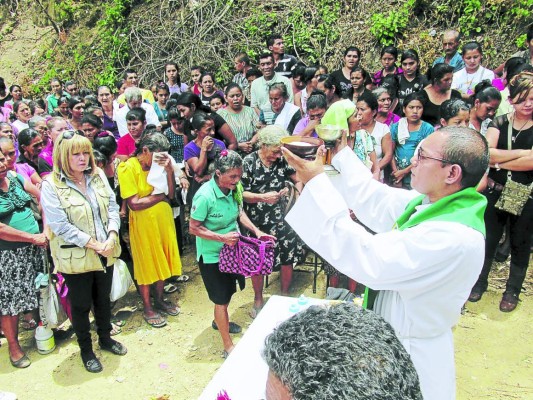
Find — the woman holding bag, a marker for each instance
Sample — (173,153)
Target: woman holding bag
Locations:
(83,216)
(216,209)
(510,140)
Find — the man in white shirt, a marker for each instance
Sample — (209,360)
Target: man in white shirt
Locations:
(133,98)
(428,250)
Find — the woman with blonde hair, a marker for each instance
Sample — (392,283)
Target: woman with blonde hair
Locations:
(83,217)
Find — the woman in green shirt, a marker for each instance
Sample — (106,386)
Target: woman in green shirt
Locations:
(216,208)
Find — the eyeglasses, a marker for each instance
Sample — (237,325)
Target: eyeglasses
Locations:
(69,134)
(421,156)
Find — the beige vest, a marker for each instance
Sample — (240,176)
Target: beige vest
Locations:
(77,260)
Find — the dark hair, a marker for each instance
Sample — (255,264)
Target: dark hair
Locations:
(152,140)
(12,87)
(70,82)
(330,82)
(3,86)
(243,57)
(127,72)
(309,74)
(414,96)
(25,137)
(187,98)
(199,68)
(36,103)
(390,82)
(73,101)
(298,70)
(105,144)
(352,48)
(232,85)
(511,73)
(136,114)
(199,120)
(173,113)
(178,77)
(485,92)
(438,71)
(212,75)
(91,101)
(253,72)
(218,96)
(450,108)
(93,120)
(410,53)
(513,67)
(369,99)
(317,99)
(472,45)
(17,104)
(272,38)
(63,99)
(118,84)
(84,92)
(529,34)
(263,56)
(363,72)
(56,80)
(99,158)
(393,51)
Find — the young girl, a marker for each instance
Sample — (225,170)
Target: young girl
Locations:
(160,106)
(196,73)
(358,77)
(389,56)
(411,80)
(466,79)
(486,101)
(217,102)
(207,83)
(406,135)
(174,83)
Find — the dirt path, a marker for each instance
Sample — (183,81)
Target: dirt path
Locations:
(494,351)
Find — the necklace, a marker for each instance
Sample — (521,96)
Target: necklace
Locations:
(520,131)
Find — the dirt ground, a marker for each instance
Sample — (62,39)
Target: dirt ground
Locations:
(494,351)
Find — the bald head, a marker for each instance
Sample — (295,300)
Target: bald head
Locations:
(450,42)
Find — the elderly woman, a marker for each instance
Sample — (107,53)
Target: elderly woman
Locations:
(155,256)
(20,257)
(6,130)
(385,114)
(215,214)
(266,179)
(510,140)
(84,249)
(30,175)
(242,119)
(280,112)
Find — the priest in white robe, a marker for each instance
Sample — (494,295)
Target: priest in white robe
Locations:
(428,248)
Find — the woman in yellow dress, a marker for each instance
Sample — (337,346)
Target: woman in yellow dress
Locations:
(152,233)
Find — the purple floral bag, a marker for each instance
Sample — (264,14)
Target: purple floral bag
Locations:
(249,257)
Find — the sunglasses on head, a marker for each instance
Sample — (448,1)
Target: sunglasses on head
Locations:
(69,134)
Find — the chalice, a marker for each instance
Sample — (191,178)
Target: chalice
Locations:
(329,134)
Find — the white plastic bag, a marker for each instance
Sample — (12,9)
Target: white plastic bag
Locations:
(50,310)
(121,280)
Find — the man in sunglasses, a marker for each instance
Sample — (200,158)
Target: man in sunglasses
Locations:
(429,244)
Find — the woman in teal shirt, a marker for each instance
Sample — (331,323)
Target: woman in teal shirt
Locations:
(216,208)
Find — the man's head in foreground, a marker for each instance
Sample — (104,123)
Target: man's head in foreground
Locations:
(338,352)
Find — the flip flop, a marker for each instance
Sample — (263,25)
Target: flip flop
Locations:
(22,362)
(167,308)
(169,288)
(182,278)
(29,325)
(156,321)
(118,322)
(115,329)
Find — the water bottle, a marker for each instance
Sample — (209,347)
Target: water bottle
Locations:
(44,337)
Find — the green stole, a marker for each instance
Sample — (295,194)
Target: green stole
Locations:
(465,207)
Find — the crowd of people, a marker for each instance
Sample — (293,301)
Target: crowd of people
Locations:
(87,176)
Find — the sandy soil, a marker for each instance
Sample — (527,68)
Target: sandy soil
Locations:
(494,351)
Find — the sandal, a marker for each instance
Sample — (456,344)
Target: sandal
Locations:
(155,321)
(254,311)
(29,325)
(22,362)
(118,322)
(115,329)
(169,288)
(182,278)
(167,308)
(233,327)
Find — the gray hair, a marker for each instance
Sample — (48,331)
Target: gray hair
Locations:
(226,160)
(379,91)
(456,35)
(153,141)
(451,108)
(32,123)
(132,93)
(281,87)
(271,135)
(468,148)
(341,352)
(5,139)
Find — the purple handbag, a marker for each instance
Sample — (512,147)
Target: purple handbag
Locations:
(249,257)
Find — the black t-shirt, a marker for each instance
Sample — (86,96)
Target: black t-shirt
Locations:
(344,83)
(219,121)
(432,111)
(522,140)
(7,98)
(405,88)
(285,65)
(349,94)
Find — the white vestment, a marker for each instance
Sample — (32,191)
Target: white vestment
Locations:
(424,273)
